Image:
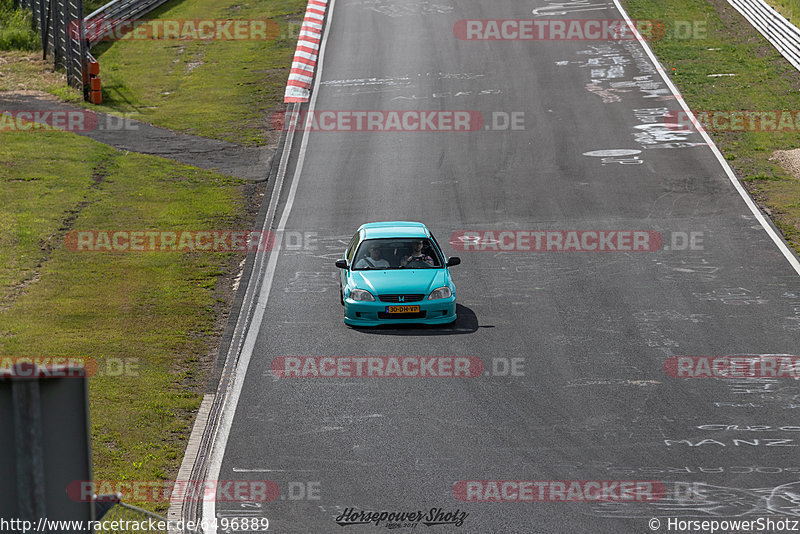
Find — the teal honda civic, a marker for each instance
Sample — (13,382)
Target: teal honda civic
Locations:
(396,273)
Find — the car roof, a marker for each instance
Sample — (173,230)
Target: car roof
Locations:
(389,229)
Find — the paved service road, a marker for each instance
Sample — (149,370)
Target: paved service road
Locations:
(592,400)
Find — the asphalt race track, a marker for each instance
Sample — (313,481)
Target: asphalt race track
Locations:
(591,399)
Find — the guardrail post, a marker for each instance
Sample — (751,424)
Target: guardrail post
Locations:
(83,47)
(45,26)
(95,95)
(33,18)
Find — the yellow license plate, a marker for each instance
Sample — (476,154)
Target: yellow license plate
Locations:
(402,309)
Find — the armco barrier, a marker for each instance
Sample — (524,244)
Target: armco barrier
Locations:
(108,16)
(68,36)
(64,38)
(114,13)
(61,37)
(783,35)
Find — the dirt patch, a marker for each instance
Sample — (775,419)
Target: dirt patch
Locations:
(198,59)
(789,160)
(25,71)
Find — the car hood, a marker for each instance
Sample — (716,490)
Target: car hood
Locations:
(398,281)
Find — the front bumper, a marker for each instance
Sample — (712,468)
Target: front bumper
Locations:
(439,311)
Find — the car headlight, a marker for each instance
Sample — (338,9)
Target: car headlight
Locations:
(440,293)
(362,295)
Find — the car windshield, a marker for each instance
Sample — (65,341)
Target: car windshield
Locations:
(400,253)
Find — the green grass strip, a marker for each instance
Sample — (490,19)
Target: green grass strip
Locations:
(152,314)
(16,32)
(763,81)
(222,89)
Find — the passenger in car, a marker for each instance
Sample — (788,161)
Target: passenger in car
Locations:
(417,255)
(373,261)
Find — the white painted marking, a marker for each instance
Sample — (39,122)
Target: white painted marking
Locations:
(612,153)
(264,470)
(229,408)
(567,7)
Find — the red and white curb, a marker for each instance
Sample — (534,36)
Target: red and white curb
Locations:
(298,88)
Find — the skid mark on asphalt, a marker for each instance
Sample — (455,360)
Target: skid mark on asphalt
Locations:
(416,86)
(395,8)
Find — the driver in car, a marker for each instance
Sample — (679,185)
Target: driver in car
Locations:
(373,261)
(417,255)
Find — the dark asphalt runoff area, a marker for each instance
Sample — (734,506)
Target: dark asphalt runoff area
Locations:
(129,135)
(592,400)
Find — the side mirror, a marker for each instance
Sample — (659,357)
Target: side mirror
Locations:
(342,264)
(453,261)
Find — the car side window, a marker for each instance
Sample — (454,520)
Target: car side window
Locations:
(351,249)
(437,245)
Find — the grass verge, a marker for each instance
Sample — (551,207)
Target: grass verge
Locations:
(763,81)
(214,88)
(15,28)
(788,8)
(159,313)
(27,71)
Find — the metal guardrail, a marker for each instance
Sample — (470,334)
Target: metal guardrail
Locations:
(115,13)
(58,22)
(67,36)
(781,33)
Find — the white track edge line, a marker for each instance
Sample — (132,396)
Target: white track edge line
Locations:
(232,401)
(778,240)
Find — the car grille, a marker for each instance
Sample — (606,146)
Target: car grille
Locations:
(396,298)
(384,315)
